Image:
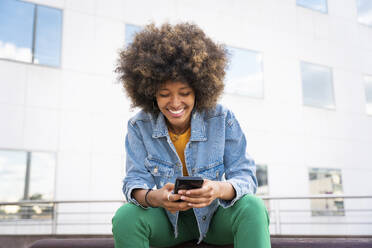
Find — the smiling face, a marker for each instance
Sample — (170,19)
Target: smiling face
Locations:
(176,101)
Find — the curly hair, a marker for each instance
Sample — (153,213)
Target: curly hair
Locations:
(180,52)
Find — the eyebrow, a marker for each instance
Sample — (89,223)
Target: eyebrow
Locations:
(186,87)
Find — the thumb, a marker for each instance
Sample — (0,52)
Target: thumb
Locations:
(169,186)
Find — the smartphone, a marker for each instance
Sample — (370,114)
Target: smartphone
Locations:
(187,183)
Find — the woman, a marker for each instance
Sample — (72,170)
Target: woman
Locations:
(175,75)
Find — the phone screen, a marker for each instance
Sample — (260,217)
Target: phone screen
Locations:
(188,183)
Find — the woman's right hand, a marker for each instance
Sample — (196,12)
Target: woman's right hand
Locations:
(165,198)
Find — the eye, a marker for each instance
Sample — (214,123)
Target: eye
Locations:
(163,95)
(185,93)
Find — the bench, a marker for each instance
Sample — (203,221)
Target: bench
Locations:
(276,242)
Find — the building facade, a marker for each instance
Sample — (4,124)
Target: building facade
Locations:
(299,82)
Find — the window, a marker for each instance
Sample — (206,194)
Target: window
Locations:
(130,32)
(244,75)
(368,88)
(261,174)
(30,33)
(364,12)
(326,181)
(318,5)
(317,87)
(26,176)
(263,185)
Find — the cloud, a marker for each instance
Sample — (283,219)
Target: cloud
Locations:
(365,19)
(11,51)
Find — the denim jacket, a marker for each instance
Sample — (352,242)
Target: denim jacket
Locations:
(216,151)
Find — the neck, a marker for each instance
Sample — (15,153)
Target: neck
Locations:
(178,130)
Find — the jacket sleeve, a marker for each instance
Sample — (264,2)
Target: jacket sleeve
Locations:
(137,176)
(240,169)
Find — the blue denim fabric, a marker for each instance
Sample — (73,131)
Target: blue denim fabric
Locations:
(216,151)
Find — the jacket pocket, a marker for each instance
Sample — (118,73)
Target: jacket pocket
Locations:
(213,171)
(159,168)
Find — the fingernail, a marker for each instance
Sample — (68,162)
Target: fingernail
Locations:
(189,204)
(183,198)
(188,192)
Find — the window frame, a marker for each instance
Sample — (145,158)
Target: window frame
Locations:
(365,92)
(332,87)
(263,165)
(357,12)
(267,202)
(29,153)
(262,72)
(317,10)
(34,28)
(326,213)
(125,31)
(24,210)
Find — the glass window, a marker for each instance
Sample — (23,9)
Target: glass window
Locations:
(244,75)
(317,87)
(365,12)
(130,31)
(326,181)
(26,176)
(12,175)
(263,185)
(30,33)
(318,5)
(16,29)
(368,90)
(48,36)
(261,174)
(42,176)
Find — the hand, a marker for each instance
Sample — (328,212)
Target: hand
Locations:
(202,197)
(160,198)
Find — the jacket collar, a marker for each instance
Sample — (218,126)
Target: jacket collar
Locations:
(198,132)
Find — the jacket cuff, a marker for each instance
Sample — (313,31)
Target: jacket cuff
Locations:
(132,199)
(238,195)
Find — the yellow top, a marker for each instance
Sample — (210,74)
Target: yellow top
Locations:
(179,142)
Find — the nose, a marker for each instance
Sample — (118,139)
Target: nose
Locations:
(175,102)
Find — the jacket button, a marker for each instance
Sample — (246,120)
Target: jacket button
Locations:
(204,217)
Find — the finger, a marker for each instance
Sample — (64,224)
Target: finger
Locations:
(199,205)
(198,192)
(186,208)
(169,186)
(181,192)
(173,197)
(176,205)
(179,206)
(195,199)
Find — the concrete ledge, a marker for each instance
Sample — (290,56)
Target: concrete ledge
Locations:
(24,241)
(276,242)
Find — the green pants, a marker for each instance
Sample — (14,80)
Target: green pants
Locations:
(245,224)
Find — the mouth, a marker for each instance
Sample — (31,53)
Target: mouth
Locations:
(176,113)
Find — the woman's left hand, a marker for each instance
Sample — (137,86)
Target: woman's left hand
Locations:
(202,197)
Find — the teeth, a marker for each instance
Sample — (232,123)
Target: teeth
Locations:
(176,112)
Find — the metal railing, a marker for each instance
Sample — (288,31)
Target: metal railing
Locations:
(89,216)
(342,216)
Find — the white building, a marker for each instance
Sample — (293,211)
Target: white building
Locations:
(300,84)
